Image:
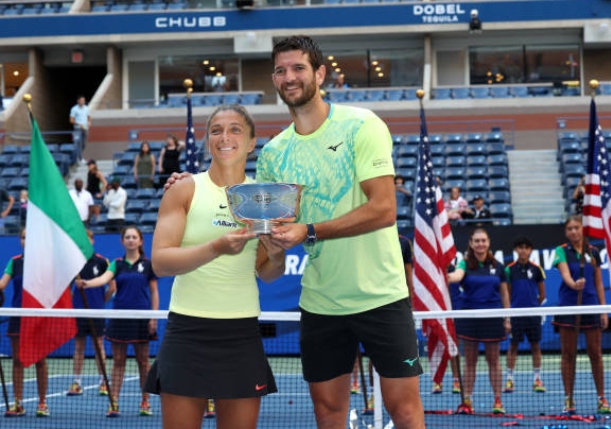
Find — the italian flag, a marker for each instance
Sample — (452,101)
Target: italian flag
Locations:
(56,249)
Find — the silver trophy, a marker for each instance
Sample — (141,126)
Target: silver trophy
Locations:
(261,205)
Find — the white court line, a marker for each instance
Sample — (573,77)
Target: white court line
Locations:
(63,392)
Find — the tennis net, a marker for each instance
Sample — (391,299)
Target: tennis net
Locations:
(527,405)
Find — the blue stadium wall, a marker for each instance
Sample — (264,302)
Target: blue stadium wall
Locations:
(283,295)
(303,17)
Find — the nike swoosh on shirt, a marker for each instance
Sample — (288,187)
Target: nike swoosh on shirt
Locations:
(222,206)
(260,386)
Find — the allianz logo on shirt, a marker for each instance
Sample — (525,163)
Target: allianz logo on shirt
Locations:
(224,223)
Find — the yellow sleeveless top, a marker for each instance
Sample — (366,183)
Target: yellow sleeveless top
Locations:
(226,287)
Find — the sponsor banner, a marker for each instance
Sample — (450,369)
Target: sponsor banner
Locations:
(283,294)
(344,16)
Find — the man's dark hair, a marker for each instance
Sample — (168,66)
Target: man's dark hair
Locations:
(304,44)
(522,241)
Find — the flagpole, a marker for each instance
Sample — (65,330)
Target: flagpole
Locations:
(188,84)
(593,87)
(27,99)
(98,350)
(4,391)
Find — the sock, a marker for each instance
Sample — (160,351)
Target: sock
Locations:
(537,373)
(509,374)
(77,379)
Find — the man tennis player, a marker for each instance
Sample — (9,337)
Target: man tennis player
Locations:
(354,284)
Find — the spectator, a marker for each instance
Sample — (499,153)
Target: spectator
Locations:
(115,200)
(478,211)
(5,197)
(96,184)
(23,205)
(403,195)
(340,82)
(578,195)
(169,161)
(456,205)
(82,200)
(81,121)
(144,166)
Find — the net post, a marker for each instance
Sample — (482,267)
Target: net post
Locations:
(359,359)
(4,391)
(378,421)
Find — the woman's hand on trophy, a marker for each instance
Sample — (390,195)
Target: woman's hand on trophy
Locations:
(275,253)
(233,242)
(289,234)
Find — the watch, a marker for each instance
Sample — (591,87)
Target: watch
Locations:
(311,237)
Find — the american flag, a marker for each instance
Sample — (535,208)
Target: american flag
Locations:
(434,250)
(192,162)
(596,201)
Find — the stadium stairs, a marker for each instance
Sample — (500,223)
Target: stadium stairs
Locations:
(536,190)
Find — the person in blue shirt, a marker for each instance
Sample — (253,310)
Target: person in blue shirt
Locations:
(136,289)
(96,299)
(579,265)
(526,281)
(456,298)
(484,287)
(14,272)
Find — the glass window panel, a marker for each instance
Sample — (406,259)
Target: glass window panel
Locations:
(208,74)
(379,68)
(496,65)
(552,63)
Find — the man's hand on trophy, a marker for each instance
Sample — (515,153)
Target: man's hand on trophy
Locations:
(233,242)
(289,234)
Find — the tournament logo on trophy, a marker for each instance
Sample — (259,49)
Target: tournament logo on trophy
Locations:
(261,205)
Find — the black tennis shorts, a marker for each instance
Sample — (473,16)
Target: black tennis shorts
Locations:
(84,329)
(211,358)
(528,326)
(387,333)
(488,330)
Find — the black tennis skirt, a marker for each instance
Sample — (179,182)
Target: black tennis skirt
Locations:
(485,330)
(127,330)
(211,358)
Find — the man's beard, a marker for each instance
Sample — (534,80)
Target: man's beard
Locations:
(309,91)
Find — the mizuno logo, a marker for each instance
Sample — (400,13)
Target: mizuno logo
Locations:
(260,386)
(222,206)
(334,147)
(411,362)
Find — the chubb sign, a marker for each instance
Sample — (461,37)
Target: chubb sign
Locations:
(439,13)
